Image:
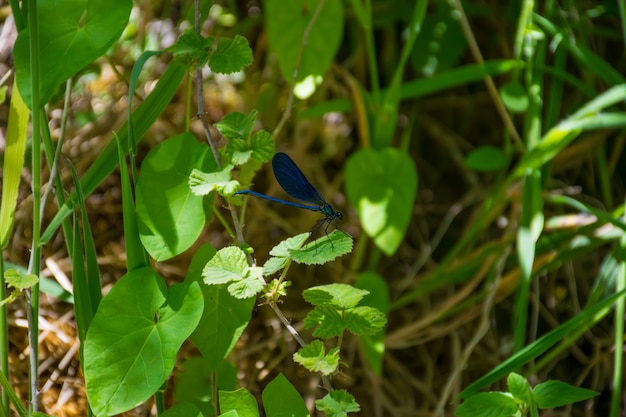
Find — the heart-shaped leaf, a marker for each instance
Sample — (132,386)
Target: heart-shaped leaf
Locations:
(132,342)
(382,185)
(72,33)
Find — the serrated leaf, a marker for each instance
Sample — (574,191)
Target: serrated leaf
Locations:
(19,281)
(259,147)
(224,318)
(263,146)
(246,288)
(314,358)
(519,387)
(202,183)
(364,320)
(274,265)
(231,55)
(228,264)
(283,248)
(237,152)
(552,394)
(276,288)
(191,48)
(337,403)
(339,295)
(280,253)
(324,249)
(492,404)
(237,125)
(328,320)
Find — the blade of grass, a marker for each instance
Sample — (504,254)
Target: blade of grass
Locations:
(35,255)
(618,355)
(136,256)
(143,117)
(86,278)
(585,319)
(12,170)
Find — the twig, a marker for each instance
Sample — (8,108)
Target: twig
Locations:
(491,87)
(207,131)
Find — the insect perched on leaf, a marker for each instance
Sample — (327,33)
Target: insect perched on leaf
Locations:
(296,185)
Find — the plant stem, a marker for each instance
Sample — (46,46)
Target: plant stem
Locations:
(35,261)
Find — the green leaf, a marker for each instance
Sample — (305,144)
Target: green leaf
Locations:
(378,297)
(485,159)
(263,146)
(143,117)
(224,317)
(286,23)
(327,318)
(72,34)
(382,185)
(281,399)
(14,151)
(18,280)
(193,383)
(552,394)
(237,125)
(281,253)
(231,55)
(191,48)
(182,410)
(339,295)
(519,387)
(440,43)
(338,403)
(202,183)
(364,320)
(247,287)
(324,249)
(514,97)
(276,289)
(336,311)
(238,152)
(170,217)
(240,401)
(133,340)
(314,358)
(492,404)
(585,319)
(259,147)
(230,264)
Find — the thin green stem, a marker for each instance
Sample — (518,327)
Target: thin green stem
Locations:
(372,60)
(491,87)
(35,261)
(618,352)
(4,340)
(4,382)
